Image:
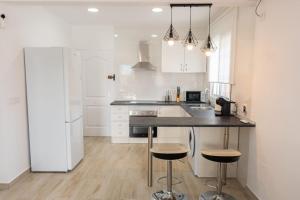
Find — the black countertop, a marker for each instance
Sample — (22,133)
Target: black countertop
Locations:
(202,118)
(147,103)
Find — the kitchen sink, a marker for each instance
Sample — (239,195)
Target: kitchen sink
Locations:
(201,107)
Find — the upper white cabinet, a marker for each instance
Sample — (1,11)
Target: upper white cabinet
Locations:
(178,59)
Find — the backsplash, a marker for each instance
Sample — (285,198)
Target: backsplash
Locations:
(152,85)
(148,85)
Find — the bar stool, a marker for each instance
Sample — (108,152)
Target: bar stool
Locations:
(169,152)
(221,156)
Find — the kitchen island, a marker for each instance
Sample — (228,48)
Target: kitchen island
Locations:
(198,118)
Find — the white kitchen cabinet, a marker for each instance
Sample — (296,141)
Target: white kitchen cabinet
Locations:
(178,59)
(170,134)
(119,119)
(172,57)
(195,60)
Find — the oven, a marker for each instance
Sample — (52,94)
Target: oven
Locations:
(140,131)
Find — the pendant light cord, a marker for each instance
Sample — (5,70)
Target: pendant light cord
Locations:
(190,17)
(256,9)
(171,15)
(209,21)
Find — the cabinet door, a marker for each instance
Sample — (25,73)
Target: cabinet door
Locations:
(195,61)
(170,134)
(172,57)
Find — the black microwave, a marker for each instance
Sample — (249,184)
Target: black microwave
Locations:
(193,96)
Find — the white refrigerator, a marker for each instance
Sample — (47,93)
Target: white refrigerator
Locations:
(54,104)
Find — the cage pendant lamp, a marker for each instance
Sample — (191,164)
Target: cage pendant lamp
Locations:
(190,40)
(171,35)
(208,46)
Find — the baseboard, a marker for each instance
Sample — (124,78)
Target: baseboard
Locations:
(250,194)
(5,186)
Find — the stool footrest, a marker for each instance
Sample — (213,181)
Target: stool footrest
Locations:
(179,180)
(213,195)
(164,195)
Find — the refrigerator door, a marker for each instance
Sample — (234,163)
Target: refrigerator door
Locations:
(73,84)
(46,109)
(74,142)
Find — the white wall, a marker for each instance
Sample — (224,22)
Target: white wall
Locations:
(147,85)
(273,166)
(26,26)
(243,74)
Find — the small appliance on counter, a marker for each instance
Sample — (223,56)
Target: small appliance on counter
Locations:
(223,106)
(178,94)
(193,96)
(168,96)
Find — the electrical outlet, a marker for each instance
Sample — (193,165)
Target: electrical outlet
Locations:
(244,108)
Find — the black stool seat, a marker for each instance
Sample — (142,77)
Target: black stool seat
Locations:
(221,155)
(169,151)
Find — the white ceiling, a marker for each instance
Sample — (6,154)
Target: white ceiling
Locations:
(131,15)
(217,2)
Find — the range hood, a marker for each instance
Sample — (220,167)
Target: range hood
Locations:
(143,58)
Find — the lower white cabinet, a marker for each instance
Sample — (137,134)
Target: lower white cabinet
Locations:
(119,124)
(171,134)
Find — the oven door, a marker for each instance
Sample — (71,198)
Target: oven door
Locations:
(141,132)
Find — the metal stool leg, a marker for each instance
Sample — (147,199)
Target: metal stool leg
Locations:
(169,194)
(220,175)
(169,176)
(217,195)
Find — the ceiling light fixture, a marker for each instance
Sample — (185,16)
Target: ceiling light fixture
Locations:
(208,47)
(93,10)
(2,21)
(157,10)
(190,40)
(154,35)
(171,35)
(116,35)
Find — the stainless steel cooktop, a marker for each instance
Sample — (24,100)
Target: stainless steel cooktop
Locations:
(143,113)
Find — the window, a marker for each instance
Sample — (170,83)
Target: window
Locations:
(221,62)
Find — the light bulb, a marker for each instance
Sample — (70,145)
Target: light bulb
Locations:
(189,47)
(93,10)
(208,53)
(171,42)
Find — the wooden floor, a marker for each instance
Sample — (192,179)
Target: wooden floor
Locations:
(109,172)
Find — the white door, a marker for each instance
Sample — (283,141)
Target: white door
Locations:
(96,88)
(172,57)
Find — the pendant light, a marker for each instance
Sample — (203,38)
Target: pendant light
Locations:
(190,40)
(208,47)
(171,35)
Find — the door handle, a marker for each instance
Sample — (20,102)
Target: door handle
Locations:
(112,76)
